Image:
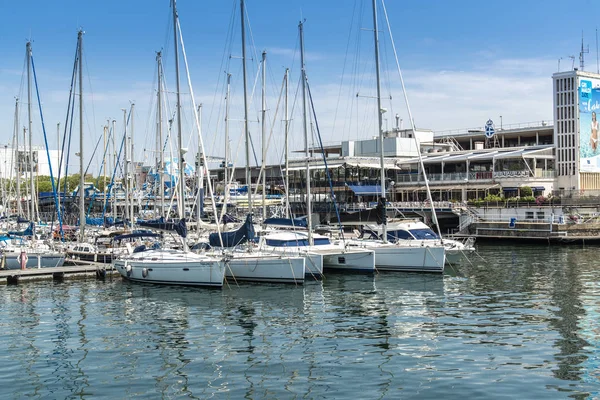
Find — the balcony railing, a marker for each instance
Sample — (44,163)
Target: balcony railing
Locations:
(453,177)
(505,127)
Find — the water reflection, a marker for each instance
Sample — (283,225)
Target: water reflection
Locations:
(525,322)
(534,298)
(22,339)
(566,293)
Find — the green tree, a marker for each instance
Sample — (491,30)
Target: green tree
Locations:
(526,191)
(43,184)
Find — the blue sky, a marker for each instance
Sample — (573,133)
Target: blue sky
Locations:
(463,62)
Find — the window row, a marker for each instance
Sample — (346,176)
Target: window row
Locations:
(566,169)
(566,155)
(565,99)
(564,84)
(566,141)
(565,126)
(567,112)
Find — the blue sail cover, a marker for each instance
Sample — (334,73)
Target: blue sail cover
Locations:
(26,232)
(228,219)
(110,221)
(160,223)
(234,238)
(94,221)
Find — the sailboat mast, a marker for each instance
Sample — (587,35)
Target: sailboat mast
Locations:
(379,117)
(125,167)
(181,202)
(264,134)
(24,168)
(246,130)
(16,162)
(226,165)
(29,122)
(81,171)
(104,134)
(58,179)
(160,162)
(305,128)
(114,166)
(133,183)
(286,145)
(200,173)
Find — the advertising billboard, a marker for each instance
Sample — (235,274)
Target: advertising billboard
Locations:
(589,134)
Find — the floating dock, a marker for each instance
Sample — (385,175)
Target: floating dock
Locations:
(83,270)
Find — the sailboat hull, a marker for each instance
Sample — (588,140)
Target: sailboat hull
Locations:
(313,264)
(172,268)
(405,258)
(352,260)
(265,268)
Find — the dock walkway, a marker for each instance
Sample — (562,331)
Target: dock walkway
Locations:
(82,270)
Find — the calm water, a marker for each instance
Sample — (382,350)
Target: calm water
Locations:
(524,323)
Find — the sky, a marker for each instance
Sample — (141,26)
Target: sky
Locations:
(463,62)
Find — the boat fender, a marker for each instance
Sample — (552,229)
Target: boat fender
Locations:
(145,272)
(128,268)
(22,259)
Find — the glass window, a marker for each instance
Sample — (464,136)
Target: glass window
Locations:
(424,234)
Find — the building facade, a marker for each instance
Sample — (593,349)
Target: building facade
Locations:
(12,160)
(559,157)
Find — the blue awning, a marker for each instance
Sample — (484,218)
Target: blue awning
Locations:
(510,189)
(538,188)
(366,190)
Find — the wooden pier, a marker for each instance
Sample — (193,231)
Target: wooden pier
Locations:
(82,270)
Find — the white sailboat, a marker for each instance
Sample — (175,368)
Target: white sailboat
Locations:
(337,257)
(21,249)
(417,233)
(245,262)
(396,256)
(174,267)
(334,256)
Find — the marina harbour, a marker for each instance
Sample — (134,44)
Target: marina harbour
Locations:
(519,322)
(208,222)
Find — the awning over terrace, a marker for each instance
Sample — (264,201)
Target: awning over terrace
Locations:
(366,190)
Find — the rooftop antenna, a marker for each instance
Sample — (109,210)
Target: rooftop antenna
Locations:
(560,58)
(572,62)
(582,52)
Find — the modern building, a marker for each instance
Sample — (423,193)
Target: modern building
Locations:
(559,157)
(12,160)
(576,102)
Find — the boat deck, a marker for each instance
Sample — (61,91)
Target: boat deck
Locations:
(83,270)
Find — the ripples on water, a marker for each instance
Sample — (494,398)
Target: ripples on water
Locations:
(521,324)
